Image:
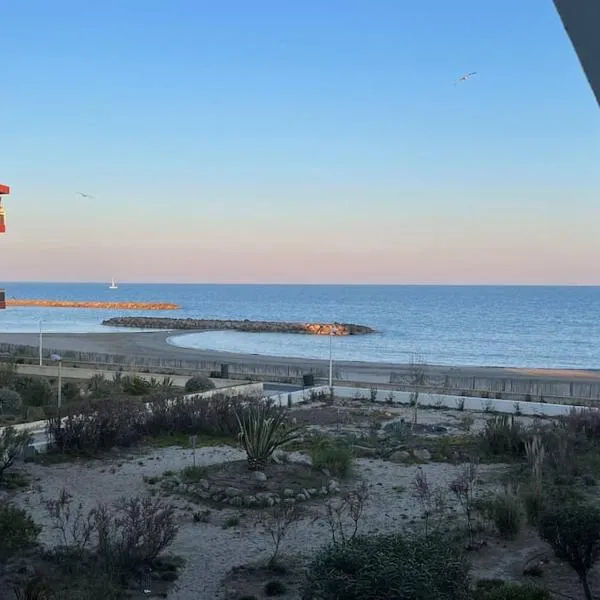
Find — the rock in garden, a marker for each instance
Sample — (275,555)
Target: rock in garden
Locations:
(422,454)
(400,456)
(259,476)
(232,492)
(333,487)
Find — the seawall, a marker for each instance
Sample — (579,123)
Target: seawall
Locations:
(497,383)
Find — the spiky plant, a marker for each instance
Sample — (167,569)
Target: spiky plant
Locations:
(263,429)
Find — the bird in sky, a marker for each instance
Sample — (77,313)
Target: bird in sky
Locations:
(465,77)
(86,195)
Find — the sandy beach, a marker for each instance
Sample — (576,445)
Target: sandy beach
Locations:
(155,345)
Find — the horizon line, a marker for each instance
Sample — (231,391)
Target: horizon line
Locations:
(288,284)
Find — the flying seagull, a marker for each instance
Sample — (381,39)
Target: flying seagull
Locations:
(86,196)
(465,77)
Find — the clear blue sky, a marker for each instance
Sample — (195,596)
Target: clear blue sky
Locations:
(317,141)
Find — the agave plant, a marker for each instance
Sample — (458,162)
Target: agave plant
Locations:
(263,429)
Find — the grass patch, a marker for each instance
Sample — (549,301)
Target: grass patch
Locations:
(335,456)
(450,448)
(193,474)
(232,521)
(14,480)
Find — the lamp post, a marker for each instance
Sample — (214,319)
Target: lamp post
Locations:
(58,359)
(331,334)
(41,359)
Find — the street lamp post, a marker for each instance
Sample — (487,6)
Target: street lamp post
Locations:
(57,358)
(41,359)
(331,334)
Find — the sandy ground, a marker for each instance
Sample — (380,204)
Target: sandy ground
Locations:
(210,550)
(154,344)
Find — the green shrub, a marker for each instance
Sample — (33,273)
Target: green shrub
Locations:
(12,445)
(503,436)
(10,401)
(533,502)
(198,384)
(573,531)
(18,531)
(35,391)
(100,387)
(136,385)
(193,473)
(507,514)
(333,456)
(500,590)
(8,372)
(389,567)
(275,588)
(70,391)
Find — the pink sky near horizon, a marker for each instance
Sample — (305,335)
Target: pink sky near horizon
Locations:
(474,243)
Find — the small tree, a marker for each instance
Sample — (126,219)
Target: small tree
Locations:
(263,429)
(277,522)
(464,489)
(12,445)
(573,531)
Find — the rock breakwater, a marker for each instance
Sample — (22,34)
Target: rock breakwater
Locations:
(85,304)
(251,326)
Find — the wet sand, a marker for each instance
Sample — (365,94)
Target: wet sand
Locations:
(155,345)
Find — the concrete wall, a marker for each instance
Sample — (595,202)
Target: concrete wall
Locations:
(435,401)
(440,381)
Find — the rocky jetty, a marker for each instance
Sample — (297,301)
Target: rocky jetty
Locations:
(84,304)
(253,326)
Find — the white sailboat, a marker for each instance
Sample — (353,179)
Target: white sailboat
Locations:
(113,285)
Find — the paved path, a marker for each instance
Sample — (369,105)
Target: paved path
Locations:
(88,373)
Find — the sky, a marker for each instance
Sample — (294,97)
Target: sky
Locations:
(321,141)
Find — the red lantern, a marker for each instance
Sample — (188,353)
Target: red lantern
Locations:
(4,189)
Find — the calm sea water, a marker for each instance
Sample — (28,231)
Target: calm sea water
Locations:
(504,326)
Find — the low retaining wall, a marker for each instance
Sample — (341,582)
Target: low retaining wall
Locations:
(434,401)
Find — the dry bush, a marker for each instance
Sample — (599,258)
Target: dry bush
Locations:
(344,514)
(276,523)
(464,489)
(584,422)
(214,416)
(433,501)
(132,533)
(110,424)
(136,532)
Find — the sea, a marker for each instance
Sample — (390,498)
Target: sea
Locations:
(529,326)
